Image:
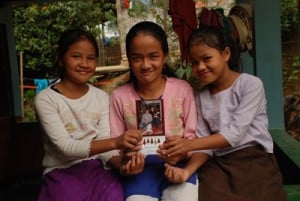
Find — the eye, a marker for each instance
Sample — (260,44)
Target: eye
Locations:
(76,56)
(135,58)
(194,63)
(92,58)
(207,58)
(154,56)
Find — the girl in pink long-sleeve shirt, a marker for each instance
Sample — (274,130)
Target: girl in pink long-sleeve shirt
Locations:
(151,177)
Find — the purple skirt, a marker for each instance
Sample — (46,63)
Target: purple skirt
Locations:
(86,181)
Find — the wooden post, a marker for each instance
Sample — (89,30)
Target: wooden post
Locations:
(21,84)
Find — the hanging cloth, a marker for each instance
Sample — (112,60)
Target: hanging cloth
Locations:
(40,84)
(184,21)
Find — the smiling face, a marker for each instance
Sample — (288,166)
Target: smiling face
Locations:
(146,58)
(79,62)
(209,64)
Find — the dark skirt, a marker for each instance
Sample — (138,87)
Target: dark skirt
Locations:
(86,181)
(249,174)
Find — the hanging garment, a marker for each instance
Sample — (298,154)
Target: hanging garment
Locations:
(40,84)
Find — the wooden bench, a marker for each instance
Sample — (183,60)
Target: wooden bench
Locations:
(287,151)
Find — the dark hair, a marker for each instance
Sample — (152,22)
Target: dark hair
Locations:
(152,29)
(216,38)
(148,28)
(68,38)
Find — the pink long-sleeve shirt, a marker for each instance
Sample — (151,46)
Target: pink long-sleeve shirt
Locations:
(178,108)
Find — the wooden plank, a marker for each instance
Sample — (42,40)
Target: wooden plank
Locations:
(108,69)
(293,192)
(289,145)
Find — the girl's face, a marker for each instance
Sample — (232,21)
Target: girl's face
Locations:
(79,62)
(146,58)
(209,64)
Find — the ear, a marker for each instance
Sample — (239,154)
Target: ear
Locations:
(165,58)
(227,53)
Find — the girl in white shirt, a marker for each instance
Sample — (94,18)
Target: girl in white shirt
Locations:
(74,117)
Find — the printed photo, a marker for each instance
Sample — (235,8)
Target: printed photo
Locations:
(150,117)
(151,124)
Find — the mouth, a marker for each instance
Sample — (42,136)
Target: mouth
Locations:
(203,75)
(145,73)
(83,70)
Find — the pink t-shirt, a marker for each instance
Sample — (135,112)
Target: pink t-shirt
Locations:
(178,108)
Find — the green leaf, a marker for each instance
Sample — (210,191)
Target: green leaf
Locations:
(188,72)
(180,72)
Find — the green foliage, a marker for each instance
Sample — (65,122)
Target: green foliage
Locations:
(37,27)
(158,10)
(289,15)
(29,113)
(184,70)
(292,73)
(139,10)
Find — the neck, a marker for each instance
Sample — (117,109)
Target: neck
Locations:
(223,84)
(151,91)
(72,91)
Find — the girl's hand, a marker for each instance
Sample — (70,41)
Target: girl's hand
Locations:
(176,175)
(170,160)
(134,165)
(174,147)
(130,140)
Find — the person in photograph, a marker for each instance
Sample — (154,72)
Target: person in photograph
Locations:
(146,123)
(156,122)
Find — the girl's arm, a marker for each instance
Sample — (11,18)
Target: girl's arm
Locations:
(129,140)
(178,146)
(50,121)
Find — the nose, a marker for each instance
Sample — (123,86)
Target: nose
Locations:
(146,63)
(84,62)
(199,66)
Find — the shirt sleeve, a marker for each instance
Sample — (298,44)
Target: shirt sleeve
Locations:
(104,132)
(48,116)
(251,102)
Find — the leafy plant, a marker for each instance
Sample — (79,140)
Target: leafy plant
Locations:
(184,70)
(29,113)
(289,15)
(38,26)
(292,73)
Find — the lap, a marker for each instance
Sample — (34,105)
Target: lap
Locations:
(247,174)
(87,180)
(152,182)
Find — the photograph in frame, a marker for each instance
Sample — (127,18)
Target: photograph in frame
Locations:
(150,121)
